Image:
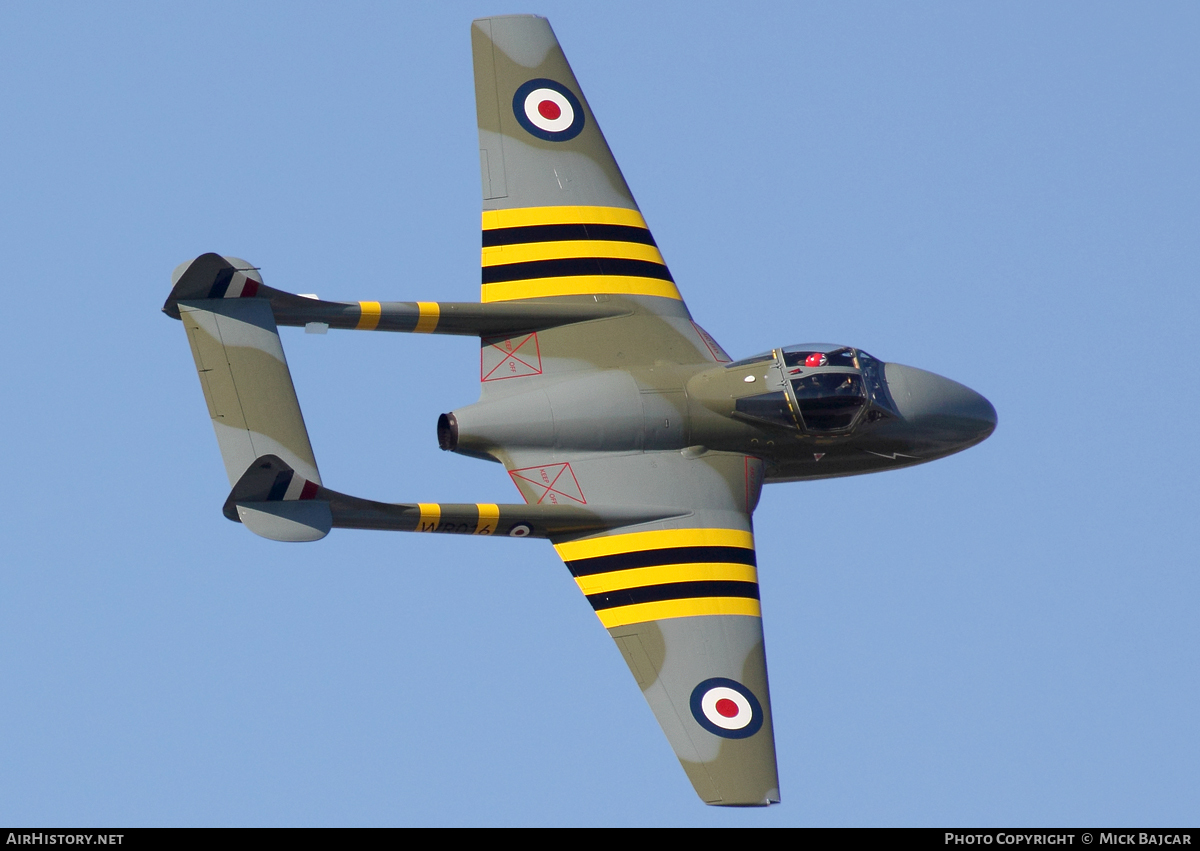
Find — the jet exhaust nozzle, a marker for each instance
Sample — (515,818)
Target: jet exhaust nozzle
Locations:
(447,432)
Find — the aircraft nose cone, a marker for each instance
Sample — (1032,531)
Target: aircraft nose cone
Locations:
(942,412)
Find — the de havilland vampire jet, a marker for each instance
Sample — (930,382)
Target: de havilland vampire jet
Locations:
(639,447)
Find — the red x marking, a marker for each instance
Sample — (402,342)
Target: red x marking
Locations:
(554,480)
(528,363)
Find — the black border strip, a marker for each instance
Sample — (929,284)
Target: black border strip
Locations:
(659,558)
(280,485)
(569,232)
(918,837)
(673,591)
(221,283)
(574,266)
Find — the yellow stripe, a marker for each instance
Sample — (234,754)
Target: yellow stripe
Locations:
(579,285)
(369,319)
(528,251)
(431,515)
(656,540)
(523,216)
(642,612)
(640,577)
(489,515)
(430,312)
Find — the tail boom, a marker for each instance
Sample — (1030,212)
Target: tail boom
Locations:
(273,489)
(213,278)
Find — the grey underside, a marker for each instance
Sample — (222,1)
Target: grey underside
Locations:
(519,170)
(253,491)
(608,402)
(247,385)
(668,658)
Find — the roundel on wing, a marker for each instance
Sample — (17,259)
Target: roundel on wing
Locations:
(548,110)
(726,708)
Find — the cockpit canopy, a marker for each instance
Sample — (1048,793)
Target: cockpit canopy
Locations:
(815,355)
(822,388)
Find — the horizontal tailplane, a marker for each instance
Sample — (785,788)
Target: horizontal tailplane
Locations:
(243,371)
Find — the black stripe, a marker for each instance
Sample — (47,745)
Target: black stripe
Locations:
(562,233)
(281,485)
(657,558)
(673,591)
(573,266)
(221,284)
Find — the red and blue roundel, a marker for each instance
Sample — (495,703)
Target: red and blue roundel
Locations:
(727,708)
(548,110)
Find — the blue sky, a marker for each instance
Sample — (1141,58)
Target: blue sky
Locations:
(1006,194)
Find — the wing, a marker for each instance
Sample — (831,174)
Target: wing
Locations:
(679,596)
(680,599)
(559,221)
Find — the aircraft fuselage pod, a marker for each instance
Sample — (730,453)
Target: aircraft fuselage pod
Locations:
(810,411)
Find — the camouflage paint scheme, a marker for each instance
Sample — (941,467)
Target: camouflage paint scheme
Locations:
(639,448)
